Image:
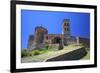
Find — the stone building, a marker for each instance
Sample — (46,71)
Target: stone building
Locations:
(41,38)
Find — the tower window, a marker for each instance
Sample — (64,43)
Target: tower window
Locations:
(65,24)
(65,29)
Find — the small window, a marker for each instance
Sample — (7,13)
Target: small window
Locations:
(65,29)
(65,24)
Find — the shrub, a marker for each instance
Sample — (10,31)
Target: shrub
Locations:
(47,47)
(25,53)
(50,47)
(60,46)
(36,52)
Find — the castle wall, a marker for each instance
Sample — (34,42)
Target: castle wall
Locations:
(49,37)
(42,38)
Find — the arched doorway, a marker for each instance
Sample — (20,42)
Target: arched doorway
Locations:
(56,40)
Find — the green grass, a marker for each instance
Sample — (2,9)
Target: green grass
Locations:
(37,52)
(26,53)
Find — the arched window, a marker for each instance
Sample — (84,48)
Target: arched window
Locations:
(67,29)
(65,24)
(64,29)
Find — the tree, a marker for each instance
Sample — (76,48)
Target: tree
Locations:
(60,45)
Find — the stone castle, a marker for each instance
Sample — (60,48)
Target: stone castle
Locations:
(41,38)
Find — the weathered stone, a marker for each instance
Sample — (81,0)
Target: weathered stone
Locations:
(41,37)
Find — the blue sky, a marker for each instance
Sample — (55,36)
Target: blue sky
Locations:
(79,23)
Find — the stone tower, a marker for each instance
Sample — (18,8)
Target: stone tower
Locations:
(36,41)
(39,36)
(66,30)
(30,42)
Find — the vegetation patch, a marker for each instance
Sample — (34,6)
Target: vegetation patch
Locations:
(26,53)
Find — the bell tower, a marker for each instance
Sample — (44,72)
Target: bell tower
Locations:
(66,30)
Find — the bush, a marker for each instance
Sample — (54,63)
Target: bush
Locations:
(60,46)
(47,47)
(36,52)
(50,47)
(26,53)
(40,51)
